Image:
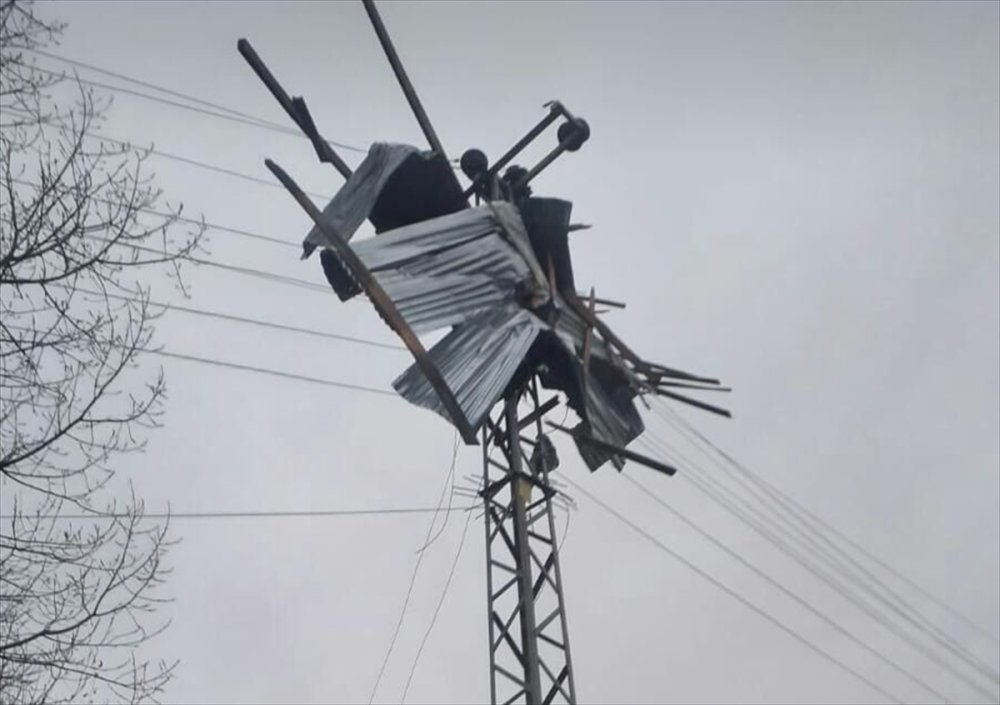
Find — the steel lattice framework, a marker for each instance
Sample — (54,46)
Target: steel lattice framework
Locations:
(530,658)
(499,275)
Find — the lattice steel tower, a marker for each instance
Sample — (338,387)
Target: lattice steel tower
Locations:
(497,275)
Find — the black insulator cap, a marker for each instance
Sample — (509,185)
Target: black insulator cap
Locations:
(474,163)
(575,133)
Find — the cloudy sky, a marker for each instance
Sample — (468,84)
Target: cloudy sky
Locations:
(801,199)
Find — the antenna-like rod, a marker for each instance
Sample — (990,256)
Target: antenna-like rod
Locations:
(295,107)
(404,81)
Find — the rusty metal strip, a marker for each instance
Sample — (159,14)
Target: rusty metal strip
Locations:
(383,304)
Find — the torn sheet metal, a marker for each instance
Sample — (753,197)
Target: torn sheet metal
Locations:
(477,359)
(352,204)
(395,185)
(500,275)
(442,271)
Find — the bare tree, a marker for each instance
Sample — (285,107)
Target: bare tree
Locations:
(80,245)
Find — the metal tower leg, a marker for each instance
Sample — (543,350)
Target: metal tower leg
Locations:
(529,644)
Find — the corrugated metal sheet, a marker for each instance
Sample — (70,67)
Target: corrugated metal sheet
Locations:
(445,270)
(352,204)
(463,270)
(477,360)
(609,412)
(571,329)
(612,418)
(476,270)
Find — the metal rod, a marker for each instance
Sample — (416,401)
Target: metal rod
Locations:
(539,411)
(489,557)
(300,116)
(529,640)
(546,160)
(694,402)
(555,558)
(515,150)
(677,374)
(684,385)
(611,448)
(571,142)
(404,80)
(602,302)
(382,302)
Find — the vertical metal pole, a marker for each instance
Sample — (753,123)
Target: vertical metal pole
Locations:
(404,80)
(519,491)
(555,560)
(488,523)
(529,660)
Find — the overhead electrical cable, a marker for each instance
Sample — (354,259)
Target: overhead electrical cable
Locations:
(266,371)
(880,592)
(220,112)
(737,596)
(184,219)
(129,144)
(451,494)
(200,164)
(803,559)
(250,321)
(784,590)
(257,514)
(819,522)
(437,609)
(409,590)
(245,368)
(155,87)
(237,269)
(217,110)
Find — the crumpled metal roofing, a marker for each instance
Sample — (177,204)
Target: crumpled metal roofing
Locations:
(477,359)
(353,203)
(476,270)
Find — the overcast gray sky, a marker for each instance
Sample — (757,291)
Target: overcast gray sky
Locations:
(799,198)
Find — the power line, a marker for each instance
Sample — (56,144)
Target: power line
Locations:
(437,609)
(255,122)
(237,269)
(895,602)
(244,368)
(246,271)
(184,219)
(259,514)
(252,272)
(251,321)
(266,371)
(776,584)
(827,578)
(220,112)
(757,479)
(735,595)
(409,593)
(226,113)
(451,495)
(147,84)
(201,164)
(161,153)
